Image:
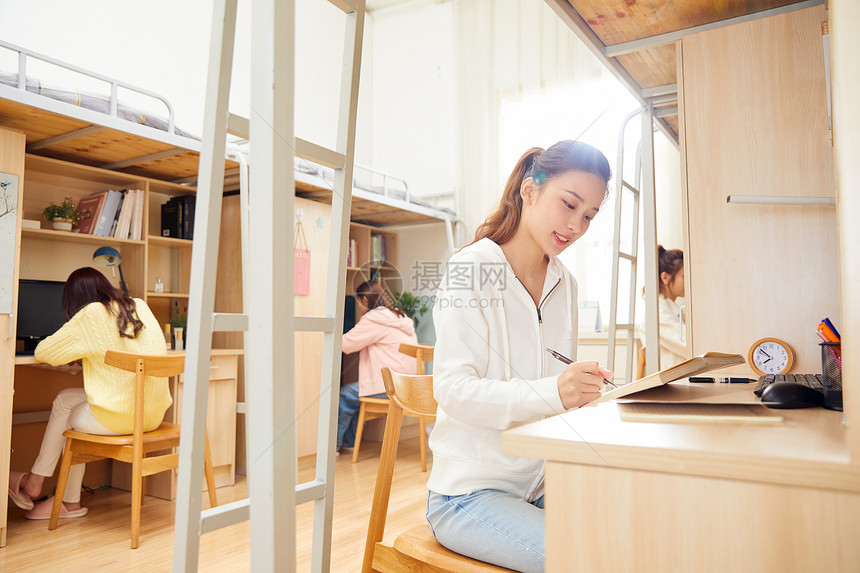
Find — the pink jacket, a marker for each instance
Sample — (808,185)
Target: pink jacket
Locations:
(377,337)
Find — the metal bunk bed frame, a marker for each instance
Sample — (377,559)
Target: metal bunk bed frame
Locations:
(176,161)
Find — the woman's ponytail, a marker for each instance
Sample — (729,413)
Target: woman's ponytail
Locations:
(501,225)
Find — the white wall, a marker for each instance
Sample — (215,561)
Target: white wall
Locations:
(415,126)
(415,123)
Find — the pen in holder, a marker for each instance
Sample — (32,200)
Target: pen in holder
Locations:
(831,374)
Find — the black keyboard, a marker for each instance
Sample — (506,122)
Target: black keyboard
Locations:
(811,380)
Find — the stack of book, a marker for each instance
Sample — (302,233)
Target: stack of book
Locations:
(117,214)
(177,217)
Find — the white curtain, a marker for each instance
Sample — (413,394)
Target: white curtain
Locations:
(506,49)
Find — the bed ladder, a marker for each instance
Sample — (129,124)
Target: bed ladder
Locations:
(268,320)
(642,189)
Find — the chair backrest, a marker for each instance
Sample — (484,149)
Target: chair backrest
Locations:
(143,365)
(413,393)
(423,353)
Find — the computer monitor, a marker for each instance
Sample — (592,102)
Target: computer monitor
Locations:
(40,311)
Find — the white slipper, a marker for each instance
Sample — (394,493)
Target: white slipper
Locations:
(20,498)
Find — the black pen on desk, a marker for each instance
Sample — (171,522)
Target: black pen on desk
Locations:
(567,360)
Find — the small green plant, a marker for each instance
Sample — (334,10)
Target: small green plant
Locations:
(65,210)
(410,304)
(179,321)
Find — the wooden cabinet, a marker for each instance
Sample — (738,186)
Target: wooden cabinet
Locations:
(47,254)
(754,122)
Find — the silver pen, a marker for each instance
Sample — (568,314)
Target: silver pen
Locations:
(567,360)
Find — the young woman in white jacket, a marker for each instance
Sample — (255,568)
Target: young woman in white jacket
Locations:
(505,299)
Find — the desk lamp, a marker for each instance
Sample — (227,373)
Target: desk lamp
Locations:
(110,257)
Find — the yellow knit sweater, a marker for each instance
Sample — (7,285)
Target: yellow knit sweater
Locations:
(110,391)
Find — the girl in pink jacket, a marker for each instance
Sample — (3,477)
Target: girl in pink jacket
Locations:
(376,337)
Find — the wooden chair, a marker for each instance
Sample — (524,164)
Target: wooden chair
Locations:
(372,408)
(82,448)
(416,549)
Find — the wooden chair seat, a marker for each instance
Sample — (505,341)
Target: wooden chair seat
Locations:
(165,431)
(419,544)
(415,550)
(82,447)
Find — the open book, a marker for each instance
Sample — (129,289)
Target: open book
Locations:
(692,367)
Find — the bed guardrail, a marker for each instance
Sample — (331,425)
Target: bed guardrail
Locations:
(115,84)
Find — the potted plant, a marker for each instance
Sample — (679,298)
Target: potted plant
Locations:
(413,306)
(62,216)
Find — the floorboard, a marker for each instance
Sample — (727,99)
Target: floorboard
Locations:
(100,541)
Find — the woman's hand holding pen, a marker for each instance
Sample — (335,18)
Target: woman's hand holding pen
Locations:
(580,383)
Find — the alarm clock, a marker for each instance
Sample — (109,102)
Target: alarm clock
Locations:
(771,356)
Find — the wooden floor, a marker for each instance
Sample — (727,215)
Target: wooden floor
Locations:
(100,541)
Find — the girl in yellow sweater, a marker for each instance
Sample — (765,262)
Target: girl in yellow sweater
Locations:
(99,318)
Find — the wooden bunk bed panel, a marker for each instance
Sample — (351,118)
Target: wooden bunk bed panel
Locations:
(101,148)
(381,215)
(36,124)
(365,211)
(650,68)
(179,166)
(624,21)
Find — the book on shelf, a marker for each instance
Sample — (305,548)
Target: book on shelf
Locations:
(124,217)
(352,254)
(170,219)
(177,217)
(696,365)
(113,227)
(108,214)
(188,202)
(136,232)
(90,210)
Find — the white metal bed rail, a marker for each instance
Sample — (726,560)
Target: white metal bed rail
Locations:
(115,84)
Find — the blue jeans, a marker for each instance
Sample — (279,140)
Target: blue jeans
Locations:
(347,413)
(490,525)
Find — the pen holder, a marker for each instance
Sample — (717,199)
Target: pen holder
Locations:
(831,374)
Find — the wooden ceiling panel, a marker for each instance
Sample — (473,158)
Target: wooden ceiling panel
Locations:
(618,21)
(650,68)
(36,124)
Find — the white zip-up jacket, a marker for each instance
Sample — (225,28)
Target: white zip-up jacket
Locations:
(491,371)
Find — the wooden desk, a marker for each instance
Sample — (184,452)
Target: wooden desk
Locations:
(33,397)
(625,496)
